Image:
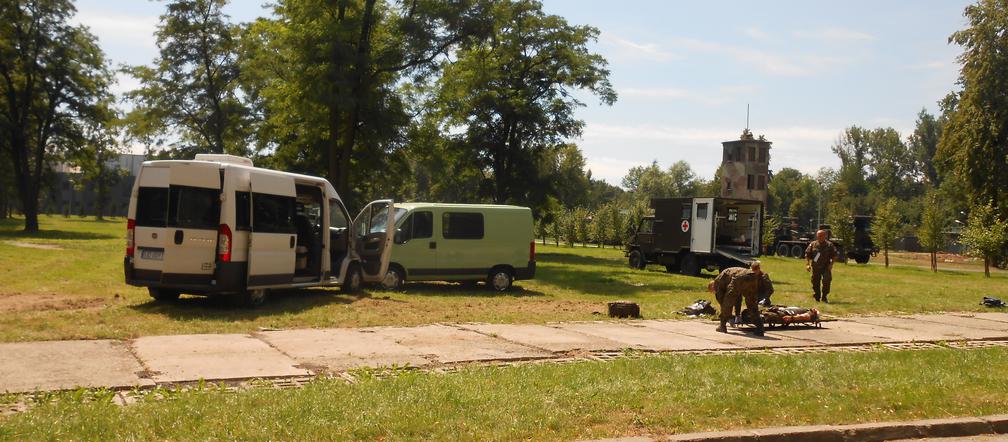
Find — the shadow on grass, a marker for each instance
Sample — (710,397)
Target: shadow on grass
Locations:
(55,234)
(619,282)
(464,289)
(568,258)
(225,307)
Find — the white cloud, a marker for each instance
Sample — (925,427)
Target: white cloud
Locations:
(628,49)
(120,29)
(774,64)
(756,33)
(714,97)
(833,34)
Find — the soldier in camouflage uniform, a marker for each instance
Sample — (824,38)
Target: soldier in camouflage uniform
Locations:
(734,285)
(819,257)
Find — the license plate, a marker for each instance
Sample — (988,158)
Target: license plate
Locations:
(152,254)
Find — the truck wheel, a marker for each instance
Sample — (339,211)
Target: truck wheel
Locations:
(163,295)
(393,279)
(673,268)
(782,250)
(354,279)
(861,259)
(500,280)
(636,260)
(690,265)
(797,251)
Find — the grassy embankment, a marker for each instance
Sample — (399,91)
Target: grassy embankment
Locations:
(73,289)
(652,395)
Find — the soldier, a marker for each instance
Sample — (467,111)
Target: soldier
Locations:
(819,258)
(732,286)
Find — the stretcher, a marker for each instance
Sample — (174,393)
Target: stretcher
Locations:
(781,316)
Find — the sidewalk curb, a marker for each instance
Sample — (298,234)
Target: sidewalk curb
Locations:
(876,431)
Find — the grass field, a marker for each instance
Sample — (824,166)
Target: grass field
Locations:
(652,395)
(66,282)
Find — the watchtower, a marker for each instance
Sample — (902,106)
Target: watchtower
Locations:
(745,167)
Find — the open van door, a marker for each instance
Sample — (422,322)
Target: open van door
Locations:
(190,249)
(373,231)
(273,239)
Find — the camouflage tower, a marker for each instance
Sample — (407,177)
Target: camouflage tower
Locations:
(745,169)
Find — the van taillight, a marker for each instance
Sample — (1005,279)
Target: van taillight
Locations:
(224,243)
(130,229)
(532,250)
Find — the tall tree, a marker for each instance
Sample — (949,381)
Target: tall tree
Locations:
(924,144)
(885,226)
(511,95)
(650,181)
(331,78)
(985,234)
(974,142)
(192,89)
(52,77)
(891,164)
(931,231)
(100,148)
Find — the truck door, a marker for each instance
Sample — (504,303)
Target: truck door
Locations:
(373,231)
(702,227)
(190,250)
(273,237)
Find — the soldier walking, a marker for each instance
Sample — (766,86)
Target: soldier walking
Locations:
(819,258)
(733,285)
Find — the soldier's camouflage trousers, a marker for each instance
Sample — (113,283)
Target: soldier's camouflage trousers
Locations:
(823,276)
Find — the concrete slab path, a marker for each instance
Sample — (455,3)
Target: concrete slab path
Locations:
(160,360)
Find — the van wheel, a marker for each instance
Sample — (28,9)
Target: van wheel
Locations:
(500,280)
(690,265)
(354,279)
(636,260)
(393,279)
(163,295)
(252,298)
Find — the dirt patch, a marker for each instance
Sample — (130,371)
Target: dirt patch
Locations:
(31,245)
(19,302)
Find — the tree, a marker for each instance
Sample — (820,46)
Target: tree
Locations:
(646,182)
(99,148)
(923,144)
(770,226)
(192,89)
(557,226)
(985,234)
(974,142)
(52,77)
(601,224)
(841,225)
(511,95)
(541,226)
(582,219)
(885,226)
(891,164)
(931,231)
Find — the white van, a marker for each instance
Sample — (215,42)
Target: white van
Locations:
(462,242)
(219,225)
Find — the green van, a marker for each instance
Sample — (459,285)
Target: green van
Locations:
(461,242)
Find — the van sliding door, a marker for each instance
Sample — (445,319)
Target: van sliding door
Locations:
(191,226)
(272,247)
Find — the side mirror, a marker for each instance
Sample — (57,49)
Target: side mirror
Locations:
(399,238)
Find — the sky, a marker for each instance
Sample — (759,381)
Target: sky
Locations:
(685,71)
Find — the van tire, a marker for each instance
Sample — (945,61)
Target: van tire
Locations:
(252,298)
(394,278)
(354,279)
(163,295)
(500,279)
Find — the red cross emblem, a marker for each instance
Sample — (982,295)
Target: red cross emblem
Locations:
(685,225)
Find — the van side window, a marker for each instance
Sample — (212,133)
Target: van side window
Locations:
(687,211)
(423,225)
(458,225)
(272,213)
(193,208)
(701,211)
(152,206)
(243,211)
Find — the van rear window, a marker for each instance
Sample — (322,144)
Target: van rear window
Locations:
(243,210)
(272,213)
(460,225)
(152,206)
(193,208)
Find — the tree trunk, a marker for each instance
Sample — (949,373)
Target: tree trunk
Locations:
(885,253)
(987,266)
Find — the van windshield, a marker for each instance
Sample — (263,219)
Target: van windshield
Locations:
(379,219)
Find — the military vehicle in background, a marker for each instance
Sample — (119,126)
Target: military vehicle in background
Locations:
(791,239)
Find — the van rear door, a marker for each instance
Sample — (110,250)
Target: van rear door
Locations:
(373,231)
(193,221)
(272,247)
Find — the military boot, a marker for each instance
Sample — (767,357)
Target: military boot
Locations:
(759,326)
(721,328)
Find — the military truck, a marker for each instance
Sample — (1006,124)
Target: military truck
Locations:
(687,235)
(790,239)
